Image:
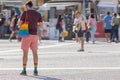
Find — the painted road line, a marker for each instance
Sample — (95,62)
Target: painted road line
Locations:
(57,45)
(87,53)
(67,68)
(40,47)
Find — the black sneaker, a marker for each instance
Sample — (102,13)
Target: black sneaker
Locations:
(81,50)
(35,73)
(24,73)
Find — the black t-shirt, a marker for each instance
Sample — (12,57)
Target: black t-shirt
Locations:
(33,18)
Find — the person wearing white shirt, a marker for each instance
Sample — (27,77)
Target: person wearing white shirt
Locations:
(80,23)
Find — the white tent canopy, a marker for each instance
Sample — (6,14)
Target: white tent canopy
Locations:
(108,4)
(14,2)
(11,2)
(59,6)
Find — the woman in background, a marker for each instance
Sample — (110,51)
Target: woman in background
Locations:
(80,32)
(92,24)
(14,27)
(60,27)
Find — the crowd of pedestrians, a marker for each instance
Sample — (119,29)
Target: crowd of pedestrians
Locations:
(112,24)
(83,27)
(111,28)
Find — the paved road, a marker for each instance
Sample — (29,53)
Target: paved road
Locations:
(61,61)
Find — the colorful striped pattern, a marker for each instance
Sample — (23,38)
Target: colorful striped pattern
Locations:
(24,26)
(35,66)
(24,67)
(23,32)
(19,11)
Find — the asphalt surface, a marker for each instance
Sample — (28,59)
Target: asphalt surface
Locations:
(61,61)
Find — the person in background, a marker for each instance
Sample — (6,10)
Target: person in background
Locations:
(2,21)
(14,27)
(92,22)
(119,28)
(42,31)
(79,24)
(39,31)
(78,18)
(59,26)
(63,32)
(80,33)
(45,31)
(87,33)
(108,28)
(30,41)
(115,20)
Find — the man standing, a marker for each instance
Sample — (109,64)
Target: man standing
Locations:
(108,27)
(34,18)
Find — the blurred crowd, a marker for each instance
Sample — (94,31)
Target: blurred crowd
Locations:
(9,29)
(111,27)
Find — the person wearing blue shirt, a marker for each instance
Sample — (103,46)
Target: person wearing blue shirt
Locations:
(107,27)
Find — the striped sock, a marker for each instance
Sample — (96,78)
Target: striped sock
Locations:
(35,66)
(24,67)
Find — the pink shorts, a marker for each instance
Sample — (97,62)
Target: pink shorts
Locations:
(30,42)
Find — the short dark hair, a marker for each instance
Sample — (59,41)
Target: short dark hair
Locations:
(30,4)
(60,17)
(108,13)
(115,14)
